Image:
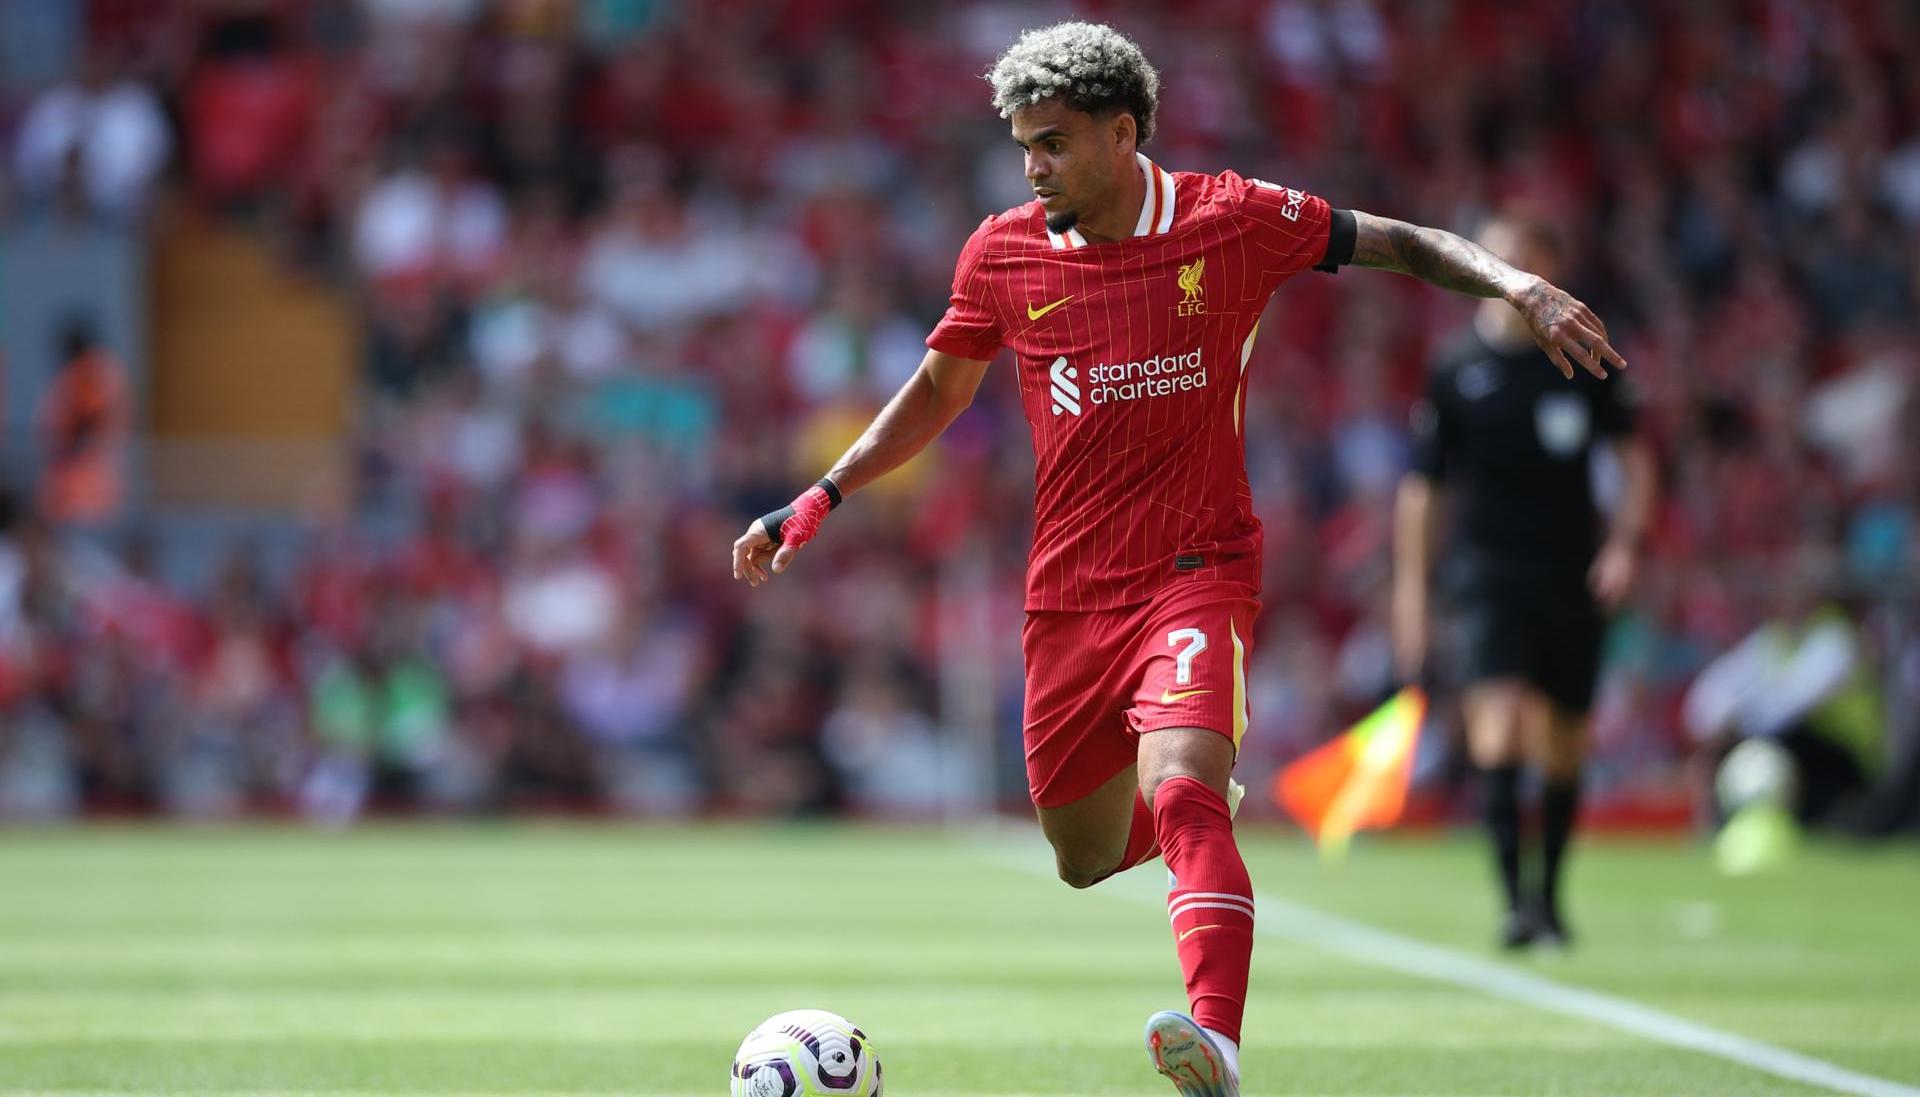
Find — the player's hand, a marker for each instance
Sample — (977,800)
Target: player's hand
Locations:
(1566,328)
(1410,630)
(768,546)
(756,558)
(1613,573)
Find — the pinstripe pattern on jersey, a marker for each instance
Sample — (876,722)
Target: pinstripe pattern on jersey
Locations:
(1128,484)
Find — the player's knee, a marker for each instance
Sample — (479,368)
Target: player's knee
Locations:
(1491,750)
(1079,871)
(1494,719)
(1203,756)
(1080,881)
(1150,781)
(1563,761)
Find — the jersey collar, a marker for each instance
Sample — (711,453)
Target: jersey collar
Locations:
(1156,208)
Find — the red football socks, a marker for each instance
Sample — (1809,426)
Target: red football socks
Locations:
(1211,903)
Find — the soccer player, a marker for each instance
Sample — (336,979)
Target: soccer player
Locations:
(1531,574)
(1129,296)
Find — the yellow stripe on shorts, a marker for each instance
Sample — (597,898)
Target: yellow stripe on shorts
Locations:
(1239,686)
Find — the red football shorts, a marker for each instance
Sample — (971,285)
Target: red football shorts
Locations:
(1098,680)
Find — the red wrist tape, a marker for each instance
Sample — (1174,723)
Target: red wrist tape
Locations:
(797,522)
(809,510)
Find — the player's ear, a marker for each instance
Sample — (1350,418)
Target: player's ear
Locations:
(1125,130)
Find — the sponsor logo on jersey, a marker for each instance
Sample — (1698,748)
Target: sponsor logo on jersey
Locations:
(1189,280)
(1160,375)
(1294,199)
(1066,394)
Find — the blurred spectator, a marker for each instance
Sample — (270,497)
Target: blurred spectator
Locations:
(239,710)
(249,105)
(559,600)
(431,221)
(98,140)
(853,348)
(1802,679)
(892,757)
(381,722)
(634,694)
(85,420)
(39,769)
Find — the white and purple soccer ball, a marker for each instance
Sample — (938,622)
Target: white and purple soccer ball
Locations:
(806,1053)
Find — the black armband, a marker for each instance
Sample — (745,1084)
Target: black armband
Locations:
(833,490)
(1342,231)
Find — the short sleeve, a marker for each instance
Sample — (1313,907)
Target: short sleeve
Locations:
(1427,423)
(1613,402)
(1288,226)
(970,329)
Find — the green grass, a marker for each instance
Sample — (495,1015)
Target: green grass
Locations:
(598,960)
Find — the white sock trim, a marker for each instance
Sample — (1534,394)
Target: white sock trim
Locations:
(1229,1051)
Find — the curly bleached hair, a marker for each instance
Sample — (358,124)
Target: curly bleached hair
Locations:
(1092,67)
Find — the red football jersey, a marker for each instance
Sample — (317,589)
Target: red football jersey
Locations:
(1132,356)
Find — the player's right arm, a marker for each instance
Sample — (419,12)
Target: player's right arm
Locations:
(931,399)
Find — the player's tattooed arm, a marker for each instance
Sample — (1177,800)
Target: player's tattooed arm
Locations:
(1562,325)
(1433,255)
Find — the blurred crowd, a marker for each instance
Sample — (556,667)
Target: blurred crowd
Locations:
(632,272)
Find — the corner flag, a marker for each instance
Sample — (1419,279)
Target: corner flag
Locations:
(1359,779)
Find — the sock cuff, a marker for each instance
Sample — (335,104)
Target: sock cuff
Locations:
(1182,786)
(1229,1046)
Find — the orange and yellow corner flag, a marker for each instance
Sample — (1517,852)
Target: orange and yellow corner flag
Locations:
(1358,779)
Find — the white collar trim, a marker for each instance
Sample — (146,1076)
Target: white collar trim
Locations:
(1156,208)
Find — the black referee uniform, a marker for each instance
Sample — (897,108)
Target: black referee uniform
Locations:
(1511,440)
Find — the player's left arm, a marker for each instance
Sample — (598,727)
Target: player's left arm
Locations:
(1562,325)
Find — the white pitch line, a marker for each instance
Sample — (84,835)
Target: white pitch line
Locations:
(1361,943)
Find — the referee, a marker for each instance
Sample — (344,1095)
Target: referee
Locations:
(1504,445)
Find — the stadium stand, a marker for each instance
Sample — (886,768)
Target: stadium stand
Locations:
(607,276)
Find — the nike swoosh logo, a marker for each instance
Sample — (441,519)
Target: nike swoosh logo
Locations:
(1168,697)
(1035,314)
(1196,929)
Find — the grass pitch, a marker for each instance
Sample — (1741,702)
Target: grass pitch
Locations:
(530,959)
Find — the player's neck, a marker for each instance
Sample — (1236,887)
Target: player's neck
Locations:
(1117,219)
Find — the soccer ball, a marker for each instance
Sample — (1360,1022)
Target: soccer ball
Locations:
(1757,771)
(806,1053)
